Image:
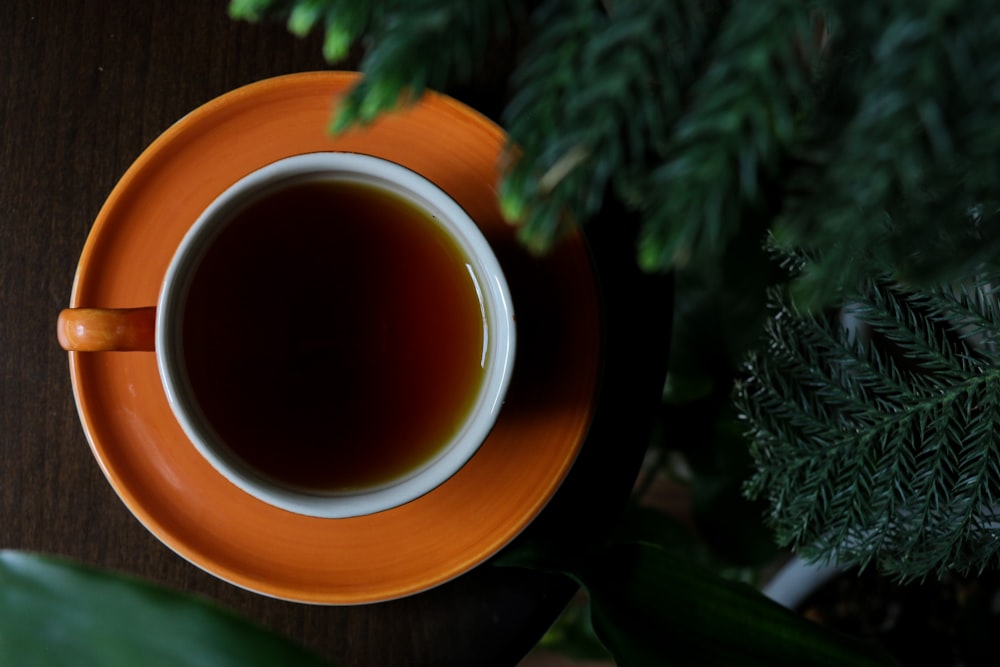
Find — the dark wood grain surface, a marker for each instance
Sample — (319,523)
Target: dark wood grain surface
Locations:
(86,85)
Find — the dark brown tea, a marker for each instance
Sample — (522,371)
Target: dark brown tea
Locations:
(333,336)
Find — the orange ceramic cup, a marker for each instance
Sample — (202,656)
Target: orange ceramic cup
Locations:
(255,333)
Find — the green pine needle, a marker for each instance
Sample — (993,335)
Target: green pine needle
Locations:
(416,45)
(899,166)
(733,134)
(878,443)
(597,92)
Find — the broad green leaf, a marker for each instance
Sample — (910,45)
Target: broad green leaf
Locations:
(57,612)
(572,635)
(652,608)
(655,526)
(730,524)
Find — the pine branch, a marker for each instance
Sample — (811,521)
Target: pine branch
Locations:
(343,22)
(841,128)
(879,445)
(733,135)
(410,45)
(596,94)
(902,152)
(418,45)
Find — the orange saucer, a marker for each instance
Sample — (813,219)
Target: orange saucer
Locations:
(182,500)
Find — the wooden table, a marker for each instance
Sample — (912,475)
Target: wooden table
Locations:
(86,86)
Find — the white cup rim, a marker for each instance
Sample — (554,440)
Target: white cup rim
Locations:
(500,334)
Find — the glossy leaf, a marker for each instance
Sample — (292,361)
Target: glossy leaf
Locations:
(572,635)
(57,612)
(652,608)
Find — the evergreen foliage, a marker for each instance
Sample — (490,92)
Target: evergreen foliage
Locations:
(896,167)
(876,431)
(863,138)
(863,126)
(729,139)
(409,45)
(595,97)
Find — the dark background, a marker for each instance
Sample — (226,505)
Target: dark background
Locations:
(86,86)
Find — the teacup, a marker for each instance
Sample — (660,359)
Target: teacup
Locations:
(334,334)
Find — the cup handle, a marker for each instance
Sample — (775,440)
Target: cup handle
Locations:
(107,329)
